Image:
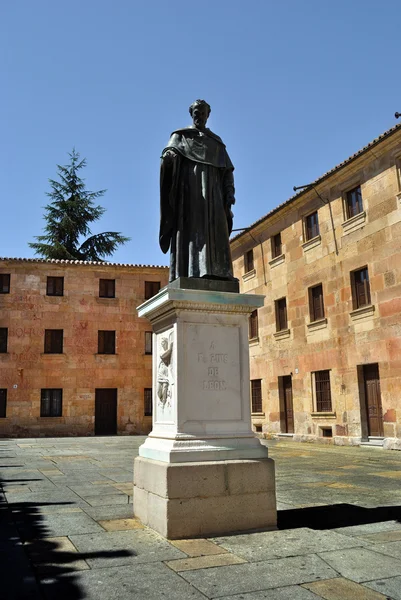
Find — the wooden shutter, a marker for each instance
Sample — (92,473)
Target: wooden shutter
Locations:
(256,395)
(276,246)
(281,314)
(323,391)
(253,325)
(148,342)
(354,202)
(148,402)
(55,286)
(4,283)
(3,403)
(151,289)
(362,288)
(249,262)
(316,305)
(106,342)
(107,288)
(3,339)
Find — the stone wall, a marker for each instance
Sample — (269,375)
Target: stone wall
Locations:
(346,339)
(79,370)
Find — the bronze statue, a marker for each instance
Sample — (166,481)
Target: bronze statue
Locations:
(196,195)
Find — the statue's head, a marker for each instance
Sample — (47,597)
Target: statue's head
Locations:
(164,343)
(200,111)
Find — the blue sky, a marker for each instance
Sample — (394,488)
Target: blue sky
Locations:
(295,88)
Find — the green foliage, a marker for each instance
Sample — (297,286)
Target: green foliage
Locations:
(68,217)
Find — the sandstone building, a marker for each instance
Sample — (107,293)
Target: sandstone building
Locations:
(74,357)
(326,347)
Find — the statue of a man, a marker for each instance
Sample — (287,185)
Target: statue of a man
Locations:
(196,195)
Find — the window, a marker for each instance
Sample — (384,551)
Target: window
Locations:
(148,342)
(353,202)
(360,288)
(3,339)
(316,305)
(281,314)
(323,392)
(3,403)
(151,289)
(248,261)
(253,325)
(51,403)
(277,248)
(107,288)
(4,283)
(256,395)
(311,226)
(55,286)
(106,342)
(53,341)
(148,402)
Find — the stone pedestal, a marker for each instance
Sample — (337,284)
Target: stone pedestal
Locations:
(202,471)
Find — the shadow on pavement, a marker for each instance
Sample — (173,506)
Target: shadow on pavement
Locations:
(28,554)
(333,516)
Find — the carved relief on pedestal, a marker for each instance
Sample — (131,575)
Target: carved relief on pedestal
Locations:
(165,378)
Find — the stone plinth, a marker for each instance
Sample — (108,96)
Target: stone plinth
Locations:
(202,470)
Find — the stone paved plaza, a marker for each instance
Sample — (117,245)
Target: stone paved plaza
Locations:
(67,529)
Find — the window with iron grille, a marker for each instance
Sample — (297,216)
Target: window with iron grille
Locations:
(107,288)
(281,314)
(53,341)
(353,202)
(148,402)
(106,342)
(4,283)
(311,226)
(253,325)
(316,304)
(322,391)
(277,248)
(151,289)
(51,402)
(3,403)
(248,261)
(3,339)
(55,286)
(256,395)
(148,342)
(360,288)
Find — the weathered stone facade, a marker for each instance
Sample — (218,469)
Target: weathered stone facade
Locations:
(353,338)
(79,370)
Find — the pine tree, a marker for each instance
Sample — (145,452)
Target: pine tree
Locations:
(68,217)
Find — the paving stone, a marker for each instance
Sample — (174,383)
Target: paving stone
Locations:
(105,513)
(124,547)
(389,549)
(390,587)
(361,564)
(56,525)
(55,555)
(108,500)
(249,577)
(382,536)
(121,524)
(279,544)
(204,562)
(136,582)
(342,589)
(291,592)
(370,528)
(198,547)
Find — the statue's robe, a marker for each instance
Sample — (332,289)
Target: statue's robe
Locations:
(196,193)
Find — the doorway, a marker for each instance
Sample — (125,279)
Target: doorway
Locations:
(286,405)
(373,401)
(106,411)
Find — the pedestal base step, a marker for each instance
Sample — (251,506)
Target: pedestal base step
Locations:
(184,500)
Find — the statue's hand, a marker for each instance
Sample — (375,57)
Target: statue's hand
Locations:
(169,156)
